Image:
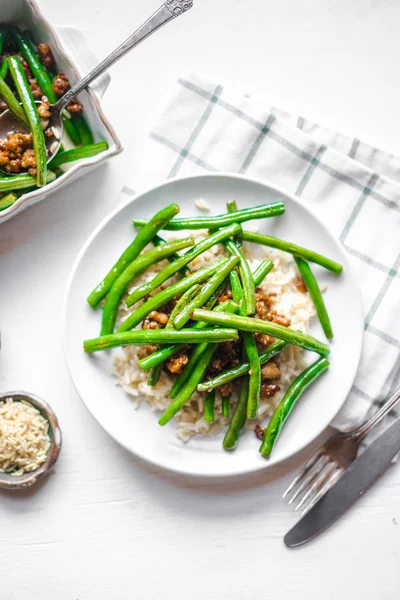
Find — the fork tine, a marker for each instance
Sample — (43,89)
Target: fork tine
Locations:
(310,463)
(312,474)
(321,479)
(331,481)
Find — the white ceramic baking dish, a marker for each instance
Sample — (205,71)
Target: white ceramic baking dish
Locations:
(74,58)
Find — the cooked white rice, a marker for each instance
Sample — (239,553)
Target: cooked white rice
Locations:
(24,437)
(290,302)
(202,204)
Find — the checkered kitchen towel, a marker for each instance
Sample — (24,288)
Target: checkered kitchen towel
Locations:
(355,189)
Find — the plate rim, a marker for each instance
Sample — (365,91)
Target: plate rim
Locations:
(263,465)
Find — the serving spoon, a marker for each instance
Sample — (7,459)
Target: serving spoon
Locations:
(169,10)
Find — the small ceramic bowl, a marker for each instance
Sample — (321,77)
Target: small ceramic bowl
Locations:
(10,482)
(74,58)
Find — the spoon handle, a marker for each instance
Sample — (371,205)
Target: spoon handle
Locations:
(167,11)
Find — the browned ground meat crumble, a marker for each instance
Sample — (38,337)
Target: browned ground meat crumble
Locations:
(35,88)
(176,363)
(270,371)
(301,286)
(269,389)
(75,107)
(226,295)
(16,151)
(225,357)
(264,301)
(155,320)
(263,339)
(60,86)
(259,431)
(226,389)
(44,108)
(45,56)
(147,350)
(273,316)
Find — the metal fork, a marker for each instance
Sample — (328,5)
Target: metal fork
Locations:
(329,462)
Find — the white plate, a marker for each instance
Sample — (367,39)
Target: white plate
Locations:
(137,430)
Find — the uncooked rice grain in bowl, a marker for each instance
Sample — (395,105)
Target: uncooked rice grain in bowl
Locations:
(290,302)
(24,437)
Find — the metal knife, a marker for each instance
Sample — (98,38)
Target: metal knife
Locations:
(359,477)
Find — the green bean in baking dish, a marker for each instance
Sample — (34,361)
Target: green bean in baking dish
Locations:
(29,84)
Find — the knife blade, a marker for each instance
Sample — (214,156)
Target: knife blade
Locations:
(358,478)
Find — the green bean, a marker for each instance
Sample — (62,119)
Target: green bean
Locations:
(212,301)
(209,402)
(261,272)
(83,130)
(225,405)
(278,419)
(171,269)
(154,302)
(78,153)
(251,351)
(21,182)
(32,115)
(257,325)
(316,295)
(246,277)
(155,372)
(135,268)
(29,38)
(154,376)
(39,72)
(232,206)
(183,301)
(185,375)
(239,417)
(8,96)
(70,130)
(4,69)
(243,368)
(206,292)
(43,78)
(7,201)
(196,376)
(236,288)
(157,240)
(158,336)
(166,352)
(246,214)
(3,36)
(310,255)
(144,236)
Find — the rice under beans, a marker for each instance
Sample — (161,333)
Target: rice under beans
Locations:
(290,302)
(24,437)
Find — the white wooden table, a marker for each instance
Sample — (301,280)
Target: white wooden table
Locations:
(105,525)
